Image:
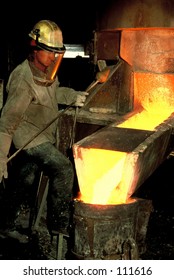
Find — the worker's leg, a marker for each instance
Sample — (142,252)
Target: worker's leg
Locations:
(17,191)
(60,171)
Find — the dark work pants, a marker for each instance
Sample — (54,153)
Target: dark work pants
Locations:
(59,169)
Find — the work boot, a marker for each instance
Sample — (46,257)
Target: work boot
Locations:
(14,233)
(9,229)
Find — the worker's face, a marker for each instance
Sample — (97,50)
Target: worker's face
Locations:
(47,62)
(43,59)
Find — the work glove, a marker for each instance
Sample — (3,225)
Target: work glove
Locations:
(81,98)
(3,168)
(5,143)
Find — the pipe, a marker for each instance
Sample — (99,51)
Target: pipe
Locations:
(101,77)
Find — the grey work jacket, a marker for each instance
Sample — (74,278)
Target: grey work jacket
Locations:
(29,107)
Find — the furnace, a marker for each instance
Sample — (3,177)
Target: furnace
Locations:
(114,161)
(124,131)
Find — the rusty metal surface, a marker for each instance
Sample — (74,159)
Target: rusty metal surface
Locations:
(146,150)
(127,14)
(145,159)
(106,46)
(110,231)
(145,209)
(148,49)
(65,125)
(115,138)
(101,231)
(116,94)
(103,119)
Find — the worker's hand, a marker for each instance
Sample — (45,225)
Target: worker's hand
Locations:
(81,98)
(3,168)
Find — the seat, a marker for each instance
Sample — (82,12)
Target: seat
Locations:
(37,211)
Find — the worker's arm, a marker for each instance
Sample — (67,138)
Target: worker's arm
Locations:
(70,96)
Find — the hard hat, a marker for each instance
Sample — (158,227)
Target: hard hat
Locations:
(47,36)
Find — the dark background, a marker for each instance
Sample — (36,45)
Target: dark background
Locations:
(77,21)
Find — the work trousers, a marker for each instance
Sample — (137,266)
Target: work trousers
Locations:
(59,169)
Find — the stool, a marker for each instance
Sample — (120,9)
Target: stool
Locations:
(40,200)
(59,243)
(37,211)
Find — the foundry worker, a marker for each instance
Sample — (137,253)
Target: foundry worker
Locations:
(33,97)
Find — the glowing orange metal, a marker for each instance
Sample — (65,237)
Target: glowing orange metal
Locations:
(100,171)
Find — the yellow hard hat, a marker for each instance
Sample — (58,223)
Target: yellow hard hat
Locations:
(47,36)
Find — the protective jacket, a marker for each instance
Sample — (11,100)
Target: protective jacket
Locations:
(30,106)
